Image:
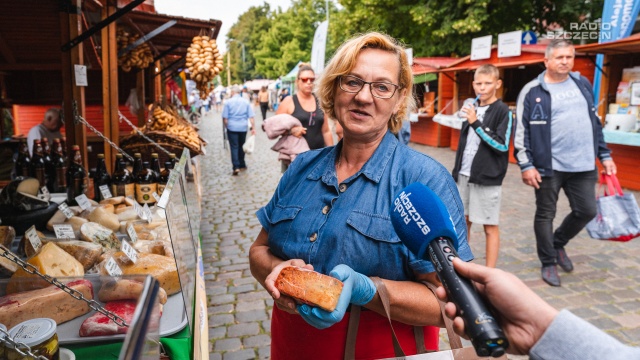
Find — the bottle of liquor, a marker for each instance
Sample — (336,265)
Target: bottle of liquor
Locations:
(173,159)
(122,182)
(100,178)
(50,171)
(59,162)
(137,164)
(37,163)
(164,176)
(76,177)
(63,142)
(23,162)
(145,185)
(155,167)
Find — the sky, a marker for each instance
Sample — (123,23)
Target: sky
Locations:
(226,10)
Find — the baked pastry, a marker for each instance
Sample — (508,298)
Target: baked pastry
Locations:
(310,287)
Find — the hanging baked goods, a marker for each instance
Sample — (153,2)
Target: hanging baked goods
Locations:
(204,63)
(140,56)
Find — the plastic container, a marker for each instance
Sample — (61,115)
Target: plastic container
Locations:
(620,122)
(39,334)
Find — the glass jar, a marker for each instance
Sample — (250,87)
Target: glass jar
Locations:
(39,334)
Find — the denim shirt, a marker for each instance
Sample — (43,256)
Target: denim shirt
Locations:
(238,111)
(313,218)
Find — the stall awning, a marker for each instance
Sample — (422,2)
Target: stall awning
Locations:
(627,45)
(423,78)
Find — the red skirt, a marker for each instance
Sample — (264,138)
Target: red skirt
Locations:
(292,338)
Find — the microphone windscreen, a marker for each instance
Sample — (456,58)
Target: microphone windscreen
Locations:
(419,216)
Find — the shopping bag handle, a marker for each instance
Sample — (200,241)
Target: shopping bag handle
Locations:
(613,185)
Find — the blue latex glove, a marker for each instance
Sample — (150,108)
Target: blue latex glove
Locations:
(357,289)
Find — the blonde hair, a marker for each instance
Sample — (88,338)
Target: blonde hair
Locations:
(488,69)
(344,60)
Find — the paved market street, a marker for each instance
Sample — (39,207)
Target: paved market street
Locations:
(604,288)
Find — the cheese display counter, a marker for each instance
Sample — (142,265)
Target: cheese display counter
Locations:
(105,267)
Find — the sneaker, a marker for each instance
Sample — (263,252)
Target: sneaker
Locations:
(550,275)
(564,261)
(236,172)
(243,168)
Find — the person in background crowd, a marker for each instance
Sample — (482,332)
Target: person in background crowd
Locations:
(482,158)
(49,128)
(304,106)
(532,326)
(263,99)
(558,136)
(283,94)
(330,212)
(238,117)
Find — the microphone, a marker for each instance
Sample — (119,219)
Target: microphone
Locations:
(424,225)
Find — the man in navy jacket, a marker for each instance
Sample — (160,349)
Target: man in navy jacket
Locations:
(558,137)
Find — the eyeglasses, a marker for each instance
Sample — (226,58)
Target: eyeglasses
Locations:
(379,89)
(307,80)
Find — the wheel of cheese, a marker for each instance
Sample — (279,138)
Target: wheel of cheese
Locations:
(23,220)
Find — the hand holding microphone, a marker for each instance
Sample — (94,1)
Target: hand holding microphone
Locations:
(424,225)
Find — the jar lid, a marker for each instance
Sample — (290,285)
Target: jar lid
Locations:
(33,332)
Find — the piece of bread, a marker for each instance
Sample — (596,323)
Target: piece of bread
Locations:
(310,287)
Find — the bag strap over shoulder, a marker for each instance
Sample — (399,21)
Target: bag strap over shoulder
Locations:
(454,339)
(384,297)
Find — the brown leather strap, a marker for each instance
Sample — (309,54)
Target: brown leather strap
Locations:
(384,297)
(418,335)
(352,333)
(454,339)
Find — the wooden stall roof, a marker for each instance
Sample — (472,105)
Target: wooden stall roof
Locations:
(627,45)
(30,33)
(426,65)
(530,54)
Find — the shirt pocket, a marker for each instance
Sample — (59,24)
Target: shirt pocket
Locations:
(373,235)
(281,221)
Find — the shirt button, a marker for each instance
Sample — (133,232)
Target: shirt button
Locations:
(325,209)
(313,237)
(342,187)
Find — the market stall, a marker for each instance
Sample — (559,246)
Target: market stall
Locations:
(38,73)
(515,73)
(619,101)
(433,91)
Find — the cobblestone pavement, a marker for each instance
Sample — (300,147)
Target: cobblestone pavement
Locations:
(603,289)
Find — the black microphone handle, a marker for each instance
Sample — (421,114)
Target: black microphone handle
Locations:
(485,333)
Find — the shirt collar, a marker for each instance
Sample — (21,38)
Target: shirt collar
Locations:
(372,169)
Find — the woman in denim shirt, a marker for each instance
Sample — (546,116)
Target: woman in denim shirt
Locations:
(330,213)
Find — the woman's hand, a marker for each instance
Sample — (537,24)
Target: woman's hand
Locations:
(358,289)
(283,302)
(298,131)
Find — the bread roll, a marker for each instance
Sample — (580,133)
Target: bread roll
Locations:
(310,287)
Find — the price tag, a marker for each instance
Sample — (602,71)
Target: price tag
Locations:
(65,210)
(155,196)
(34,239)
(132,233)
(44,193)
(64,231)
(147,213)
(83,202)
(138,210)
(112,268)
(128,250)
(104,190)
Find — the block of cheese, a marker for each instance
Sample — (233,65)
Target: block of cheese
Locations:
(104,217)
(125,289)
(310,287)
(98,234)
(49,302)
(85,252)
(50,260)
(7,234)
(100,325)
(162,268)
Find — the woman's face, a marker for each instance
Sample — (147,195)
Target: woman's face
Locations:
(305,81)
(361,114)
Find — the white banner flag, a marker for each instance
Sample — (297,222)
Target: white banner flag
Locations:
(318,48)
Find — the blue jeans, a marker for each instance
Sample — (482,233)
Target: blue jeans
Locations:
(236,140)
(580,190)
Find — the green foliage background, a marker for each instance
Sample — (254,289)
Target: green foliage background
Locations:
(276,40)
